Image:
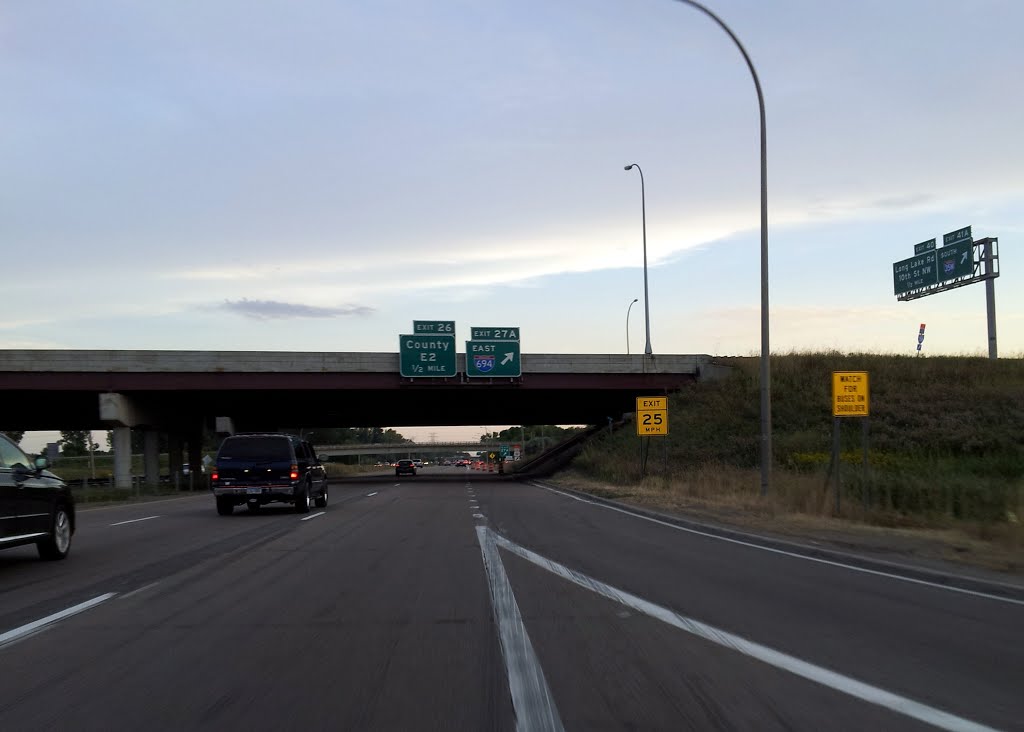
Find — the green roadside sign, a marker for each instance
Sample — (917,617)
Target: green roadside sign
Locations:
(914,273)
(925,246)
(427,356)
(440,327)
(493,359)
(959,235)
(494,334)
(955,261)
(930,266)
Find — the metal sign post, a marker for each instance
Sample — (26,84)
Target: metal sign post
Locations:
(651,419)
(850,398)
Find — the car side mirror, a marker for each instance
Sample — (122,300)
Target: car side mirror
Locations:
(41,463)
(322,458)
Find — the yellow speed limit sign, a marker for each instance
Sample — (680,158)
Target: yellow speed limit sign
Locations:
(652,415)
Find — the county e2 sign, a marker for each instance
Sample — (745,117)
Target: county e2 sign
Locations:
(431,355)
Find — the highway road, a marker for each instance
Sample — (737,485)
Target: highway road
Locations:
(456,601)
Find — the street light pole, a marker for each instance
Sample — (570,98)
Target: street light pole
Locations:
(766,386)
(627,323)
(643,214)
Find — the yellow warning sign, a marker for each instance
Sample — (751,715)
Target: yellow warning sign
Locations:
(850,394)
(652,415)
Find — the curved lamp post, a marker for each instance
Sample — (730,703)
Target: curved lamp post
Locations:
(766,387)
(643,214)
(627,323)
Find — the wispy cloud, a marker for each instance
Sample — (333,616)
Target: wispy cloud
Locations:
(273,310)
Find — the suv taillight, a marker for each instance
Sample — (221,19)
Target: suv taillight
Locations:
(214,475)
(294,472)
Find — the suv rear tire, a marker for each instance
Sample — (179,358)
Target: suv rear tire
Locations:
(225,506)
(321,500)
(302,499)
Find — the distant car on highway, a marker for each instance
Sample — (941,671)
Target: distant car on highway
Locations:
(36,507)
(405,467)
(418,462)
(257,469)
(186,469)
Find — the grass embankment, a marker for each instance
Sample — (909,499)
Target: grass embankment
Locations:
(945,455)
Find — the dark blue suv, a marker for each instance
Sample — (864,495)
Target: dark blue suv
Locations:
(257,469)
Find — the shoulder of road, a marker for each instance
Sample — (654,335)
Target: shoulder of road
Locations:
(905,555)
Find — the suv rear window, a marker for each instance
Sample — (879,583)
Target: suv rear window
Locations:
(255,448)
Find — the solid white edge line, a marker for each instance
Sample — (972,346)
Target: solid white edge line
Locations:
(531,698)
(13,635)
(778,659)
(795,555)
(313,516)
(134,521)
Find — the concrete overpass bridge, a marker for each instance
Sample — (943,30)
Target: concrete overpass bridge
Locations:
(180,392)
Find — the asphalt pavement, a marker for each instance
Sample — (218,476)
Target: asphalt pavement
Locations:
(471,603)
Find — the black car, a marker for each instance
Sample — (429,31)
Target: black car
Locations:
(405,467)
(36,507)
(257,469)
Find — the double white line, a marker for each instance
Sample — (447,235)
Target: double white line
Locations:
(531,697)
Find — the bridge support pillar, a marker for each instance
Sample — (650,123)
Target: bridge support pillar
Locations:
(174,460)
(121,413)
(122,439)
(196,477)
(151,457)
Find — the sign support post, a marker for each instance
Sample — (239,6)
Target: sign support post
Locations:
(867,483)
(990,298)
(850,398)
(835,459)
(651,419)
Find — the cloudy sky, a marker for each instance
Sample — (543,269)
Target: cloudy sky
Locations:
(315,176)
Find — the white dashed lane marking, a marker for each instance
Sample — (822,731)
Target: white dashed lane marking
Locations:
(134,521)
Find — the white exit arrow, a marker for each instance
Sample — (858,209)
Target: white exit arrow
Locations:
(964,259)
(508,357)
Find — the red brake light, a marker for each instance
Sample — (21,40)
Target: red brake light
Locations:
(214,475)
(295,472)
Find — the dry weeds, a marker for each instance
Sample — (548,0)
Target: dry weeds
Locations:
(800,508)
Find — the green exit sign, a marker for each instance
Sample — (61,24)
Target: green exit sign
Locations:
(426,356)
(494,334)
(493,358)
(959,235)
(925,246)
(914,273)
(955,260)
(441,327)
